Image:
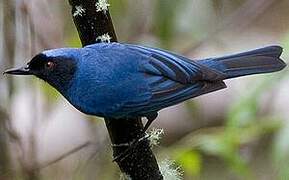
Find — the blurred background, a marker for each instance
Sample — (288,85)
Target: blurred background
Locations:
(241,132)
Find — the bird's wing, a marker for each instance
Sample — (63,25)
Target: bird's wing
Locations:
(172,79)
(176,67)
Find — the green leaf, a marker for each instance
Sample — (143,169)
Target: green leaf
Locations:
(190,162)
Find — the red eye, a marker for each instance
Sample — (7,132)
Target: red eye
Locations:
(49,65)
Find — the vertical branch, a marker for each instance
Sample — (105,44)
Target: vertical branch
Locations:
(9,37)
(91,22)
(8,8)
(4,150)
(94,24)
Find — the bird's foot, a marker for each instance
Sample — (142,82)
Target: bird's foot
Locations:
(150,117)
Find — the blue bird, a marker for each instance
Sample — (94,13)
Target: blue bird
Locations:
(118,80)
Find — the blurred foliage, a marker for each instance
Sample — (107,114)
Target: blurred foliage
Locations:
(190,161)
(50,93)
(164,23)
(281,143)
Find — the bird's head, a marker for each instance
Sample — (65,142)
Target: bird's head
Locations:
(57,67)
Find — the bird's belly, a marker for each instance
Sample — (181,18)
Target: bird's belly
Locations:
(93,106)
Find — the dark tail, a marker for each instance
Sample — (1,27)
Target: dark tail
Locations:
(264,60)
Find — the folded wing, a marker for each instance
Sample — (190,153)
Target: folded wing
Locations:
(172,79)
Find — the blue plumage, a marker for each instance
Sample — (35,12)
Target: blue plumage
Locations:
(122,80)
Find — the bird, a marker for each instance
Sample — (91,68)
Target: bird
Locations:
(120,80)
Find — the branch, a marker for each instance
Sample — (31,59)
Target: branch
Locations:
(94,24)
(91,23)
(63,156)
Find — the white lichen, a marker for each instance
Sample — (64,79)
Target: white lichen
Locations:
(102,5)
(124,176)
(154,136)
(170,171)
(121,145)
(104,38)
(79,11)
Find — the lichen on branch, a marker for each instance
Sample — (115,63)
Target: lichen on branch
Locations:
(94,24)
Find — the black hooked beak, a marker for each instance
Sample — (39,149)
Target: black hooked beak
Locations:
(19,71)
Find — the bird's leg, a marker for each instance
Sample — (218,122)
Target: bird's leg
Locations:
(150,118)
